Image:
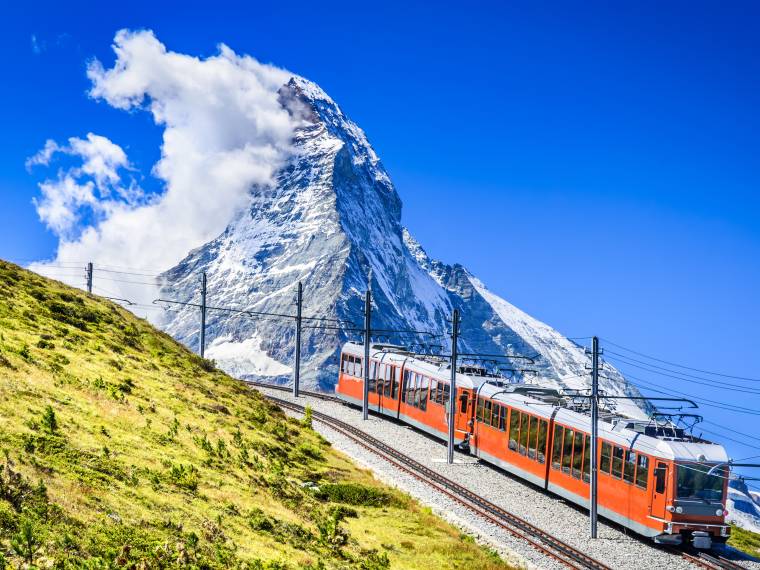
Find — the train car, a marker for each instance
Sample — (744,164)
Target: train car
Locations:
(653,478)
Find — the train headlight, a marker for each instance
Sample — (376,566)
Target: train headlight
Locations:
(679,510)
(719,512)
(670,508)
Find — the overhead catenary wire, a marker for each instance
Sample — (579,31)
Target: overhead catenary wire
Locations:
(707,382)
(685,377)
(735,377)
(704,401)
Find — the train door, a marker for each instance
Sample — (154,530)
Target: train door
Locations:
(463,411)
(659,490)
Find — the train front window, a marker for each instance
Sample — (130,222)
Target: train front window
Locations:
(696,483)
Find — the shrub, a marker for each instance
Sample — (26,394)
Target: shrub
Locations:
(307,417)
(331,533)
(184,477)
(42,343)
(26,543)
(353,494)
(49,421)
(24,353)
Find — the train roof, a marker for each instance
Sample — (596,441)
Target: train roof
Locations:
(659,439)
(625,432)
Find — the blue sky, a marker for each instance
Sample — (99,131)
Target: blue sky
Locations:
(595,164)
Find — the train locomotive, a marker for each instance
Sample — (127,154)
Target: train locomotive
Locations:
(654,478)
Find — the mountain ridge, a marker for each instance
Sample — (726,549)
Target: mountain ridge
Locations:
(333,221)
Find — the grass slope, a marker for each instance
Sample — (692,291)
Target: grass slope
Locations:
(746,541)
(121,449)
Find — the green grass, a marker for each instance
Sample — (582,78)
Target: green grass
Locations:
(121,449)
(745,541)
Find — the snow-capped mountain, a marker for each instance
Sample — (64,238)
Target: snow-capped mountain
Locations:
(333,221)
(743,506)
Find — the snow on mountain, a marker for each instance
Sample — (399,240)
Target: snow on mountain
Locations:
(332,219)
(743,506)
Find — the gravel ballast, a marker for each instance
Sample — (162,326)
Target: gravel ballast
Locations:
(614,546)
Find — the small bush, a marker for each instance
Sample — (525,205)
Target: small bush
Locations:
(184,477)
(307,417)
(26,543)
(45,344)
(24,353)
(49,421)
(353,494)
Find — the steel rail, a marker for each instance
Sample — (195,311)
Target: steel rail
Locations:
(702,560)
(706,560)
(518,527)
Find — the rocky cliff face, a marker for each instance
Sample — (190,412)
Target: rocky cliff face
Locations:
(333,222)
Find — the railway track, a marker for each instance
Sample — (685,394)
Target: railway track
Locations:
(515,525)
(711,561)
(518,527)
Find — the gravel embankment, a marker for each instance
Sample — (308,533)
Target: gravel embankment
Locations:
(614,546)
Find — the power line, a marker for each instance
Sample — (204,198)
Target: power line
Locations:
(706,402)
(707,381)
(688,377)
(732,430)
(126,272)
(681,365)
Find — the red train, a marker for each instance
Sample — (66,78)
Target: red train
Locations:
(653,479)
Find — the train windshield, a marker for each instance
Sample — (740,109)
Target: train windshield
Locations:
(696,482)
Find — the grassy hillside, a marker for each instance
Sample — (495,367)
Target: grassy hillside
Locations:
(745,541)
(122,449)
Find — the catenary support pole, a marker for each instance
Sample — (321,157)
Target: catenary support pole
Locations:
(297,366)
(594,433)
(203,315)
(453,388)
(367,333)
(89,277)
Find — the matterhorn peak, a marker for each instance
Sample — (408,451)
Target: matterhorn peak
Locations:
(333,218)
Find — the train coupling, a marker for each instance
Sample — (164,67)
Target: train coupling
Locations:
(701,540)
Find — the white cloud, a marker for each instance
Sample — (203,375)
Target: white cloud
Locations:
(224,134)
(82,189)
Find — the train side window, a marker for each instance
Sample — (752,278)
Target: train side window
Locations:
(479,413)
(424,385)
(396,376)
(373,379)
(533,437)
(659,478)
(586,459)
(410,388)
(642,471)
(629,468)
(606,462)
(577,455)
(524,420)
(502,417)
(463,403)
(514,429)
(487,412)
(357,367)
(567,451)
(446,392)
(541,449)
(416,390)
(617,462)
(404,385)
(434,390)
(388,380)
(557,446)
